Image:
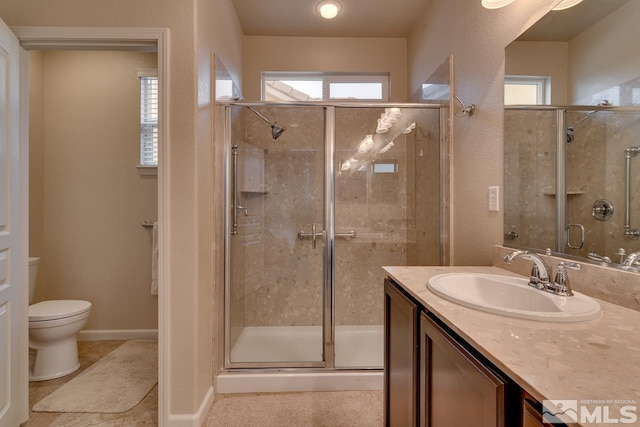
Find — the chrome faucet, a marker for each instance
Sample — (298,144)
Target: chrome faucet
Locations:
(631,259)
(541,273)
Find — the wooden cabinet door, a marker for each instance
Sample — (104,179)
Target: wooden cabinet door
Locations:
(400,358)
(456,389)
(530,417)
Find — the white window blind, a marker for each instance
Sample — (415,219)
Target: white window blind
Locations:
(148,121)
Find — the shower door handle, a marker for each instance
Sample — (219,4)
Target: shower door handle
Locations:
(313,235)
(568,231)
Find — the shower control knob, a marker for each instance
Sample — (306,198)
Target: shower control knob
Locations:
(602,210)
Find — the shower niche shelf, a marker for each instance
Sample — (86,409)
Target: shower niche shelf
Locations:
(251,170)
(569,193)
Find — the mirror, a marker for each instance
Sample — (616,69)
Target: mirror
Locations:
(572,178)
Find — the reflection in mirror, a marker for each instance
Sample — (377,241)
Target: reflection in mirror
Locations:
(572,183)
(436,88)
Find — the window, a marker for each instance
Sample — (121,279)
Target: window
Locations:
(148,120)
(527,90)
(324,87)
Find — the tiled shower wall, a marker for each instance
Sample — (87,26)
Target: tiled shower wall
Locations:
(529,177)
(277,278)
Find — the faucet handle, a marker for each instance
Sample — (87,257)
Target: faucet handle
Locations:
(535,280)
(569,265)
(561,285)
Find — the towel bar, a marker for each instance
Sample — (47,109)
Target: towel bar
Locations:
(147,223)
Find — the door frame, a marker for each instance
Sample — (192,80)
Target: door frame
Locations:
(107,38)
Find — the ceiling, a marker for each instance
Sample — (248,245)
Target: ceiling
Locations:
(564,25)
(359,18)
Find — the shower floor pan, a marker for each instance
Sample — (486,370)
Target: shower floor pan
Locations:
(356,346)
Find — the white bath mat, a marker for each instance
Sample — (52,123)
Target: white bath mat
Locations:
(116,383)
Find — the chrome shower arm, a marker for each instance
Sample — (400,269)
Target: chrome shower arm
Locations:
(261,116)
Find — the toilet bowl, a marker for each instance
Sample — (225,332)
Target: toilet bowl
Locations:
(53,331)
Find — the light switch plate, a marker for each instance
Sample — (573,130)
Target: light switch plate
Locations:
(494,199)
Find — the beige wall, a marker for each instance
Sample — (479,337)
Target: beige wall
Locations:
(219,33)
(604,56)
(188,290)
(92,198)
(36,157)
(477,37)
(329,54)
(541,59)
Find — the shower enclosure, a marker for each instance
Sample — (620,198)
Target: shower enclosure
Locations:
(571,181)
(312,217)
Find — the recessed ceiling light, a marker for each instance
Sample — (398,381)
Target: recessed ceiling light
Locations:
(566,4)
(329,9)
(495,4)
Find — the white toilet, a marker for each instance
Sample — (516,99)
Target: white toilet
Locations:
(53,331)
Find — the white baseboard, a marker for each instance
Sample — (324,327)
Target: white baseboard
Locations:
(193,420)
(118,334)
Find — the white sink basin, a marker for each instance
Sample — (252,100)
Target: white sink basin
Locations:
(512,296)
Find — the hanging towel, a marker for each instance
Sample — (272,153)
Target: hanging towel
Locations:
(154,260)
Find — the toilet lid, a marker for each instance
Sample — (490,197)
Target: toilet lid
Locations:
(57,309)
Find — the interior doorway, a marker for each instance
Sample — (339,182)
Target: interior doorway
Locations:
(89,200)
(140,39)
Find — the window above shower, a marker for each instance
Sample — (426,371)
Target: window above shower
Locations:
(527,90)
(312,86)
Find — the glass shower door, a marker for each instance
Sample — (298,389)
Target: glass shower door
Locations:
(387,212)
(276,248)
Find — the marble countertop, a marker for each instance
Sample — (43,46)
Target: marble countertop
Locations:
(592,361)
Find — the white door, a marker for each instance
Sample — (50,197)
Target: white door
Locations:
(13,262)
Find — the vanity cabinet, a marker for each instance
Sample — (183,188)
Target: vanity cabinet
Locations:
(532,413)
(401,383)
(456,388)
(433,378)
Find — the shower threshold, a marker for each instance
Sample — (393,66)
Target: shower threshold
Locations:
(359,353)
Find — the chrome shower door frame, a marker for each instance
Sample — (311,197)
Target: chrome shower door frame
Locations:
(230,214)
(328,322)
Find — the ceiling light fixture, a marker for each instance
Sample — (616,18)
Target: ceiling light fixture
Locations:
(329,9)
(566,4)
(495,4)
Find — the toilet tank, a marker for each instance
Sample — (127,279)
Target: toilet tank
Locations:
(33,275)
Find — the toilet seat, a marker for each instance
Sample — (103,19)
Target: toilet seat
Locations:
(57,309)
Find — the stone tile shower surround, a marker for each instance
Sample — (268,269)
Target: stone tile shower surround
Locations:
(615,286)
(277,279)
(597,168)
(529,171)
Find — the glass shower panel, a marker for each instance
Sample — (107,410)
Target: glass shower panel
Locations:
(529,178)
(387,201)
(275,296)
(596,178)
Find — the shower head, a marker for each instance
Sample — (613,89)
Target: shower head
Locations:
(570,136)
(276,131)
